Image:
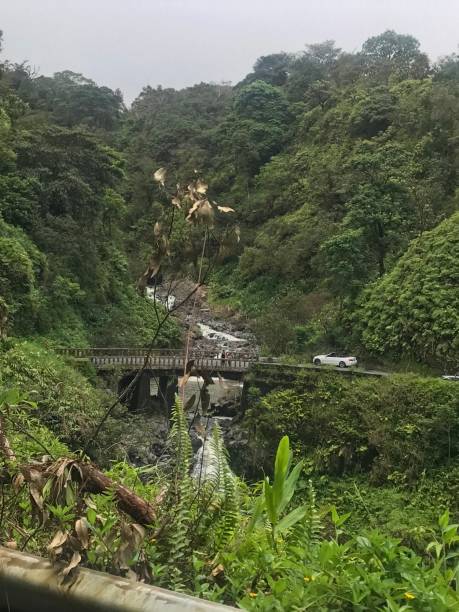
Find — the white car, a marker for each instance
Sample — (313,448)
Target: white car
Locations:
(335,359)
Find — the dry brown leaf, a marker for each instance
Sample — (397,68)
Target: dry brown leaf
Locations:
(225,209)
(82,531)
(205,399)
(205,213)
(74,561)
(11,544)
(185,379)
(176,202)
(35,492)
(157,229)
(221,381)
(160,176)
(59,539)
(201,187)
(194,208)
(138,532)
(207,378)
(18,481)
(218,570)
(200,429)
(192,192)
(155,264)
(90,503)
(190,403)
(237,231)
(163,246)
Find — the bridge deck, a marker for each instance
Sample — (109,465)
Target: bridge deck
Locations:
(159,359)
(174,361)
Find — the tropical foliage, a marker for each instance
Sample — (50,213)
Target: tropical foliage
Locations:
(221,540)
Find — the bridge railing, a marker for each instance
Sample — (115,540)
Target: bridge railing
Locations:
(161,358)
(113,351)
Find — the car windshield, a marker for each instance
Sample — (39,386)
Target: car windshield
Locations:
(331,355)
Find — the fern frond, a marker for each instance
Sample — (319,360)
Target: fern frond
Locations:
(178,541)
(180,439)
(226,492)
(306,532)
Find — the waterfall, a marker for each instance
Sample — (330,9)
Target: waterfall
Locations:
(205,461)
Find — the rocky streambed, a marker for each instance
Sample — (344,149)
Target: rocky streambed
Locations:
(208,331)
(211,330)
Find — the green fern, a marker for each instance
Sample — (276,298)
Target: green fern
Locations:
(225,492)
(306,532)
(178,541)
(180,441)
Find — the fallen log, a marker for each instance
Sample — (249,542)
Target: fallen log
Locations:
(89,479)
(95,481)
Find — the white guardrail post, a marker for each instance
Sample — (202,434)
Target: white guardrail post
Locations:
(32,583)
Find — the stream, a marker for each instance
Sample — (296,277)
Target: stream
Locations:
(216,334)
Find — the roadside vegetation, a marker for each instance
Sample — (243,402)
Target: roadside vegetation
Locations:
(268,547)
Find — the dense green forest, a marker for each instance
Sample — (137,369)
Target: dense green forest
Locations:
(64,270)
(335,163)
(342,170)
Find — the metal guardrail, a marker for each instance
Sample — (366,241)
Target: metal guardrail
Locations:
(32,583)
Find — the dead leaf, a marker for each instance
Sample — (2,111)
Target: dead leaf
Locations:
(205,399)
(218,570)
(160,176)
(176,202)
(74,561)
(11,544)
(81,528)
(225,209)
(205,213)
(18,481)
(207,378)
(90,503)
(194,208)
(59,539)
(36,495)
(157,229)
(201,187)
(200,429)
(190,403)
(184,379)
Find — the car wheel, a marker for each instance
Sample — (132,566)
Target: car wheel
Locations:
(342,364)
(317,362)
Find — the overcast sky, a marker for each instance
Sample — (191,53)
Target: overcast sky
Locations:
(175,43)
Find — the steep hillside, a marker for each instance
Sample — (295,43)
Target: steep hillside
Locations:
(413,310)
(63,266)
(333,161)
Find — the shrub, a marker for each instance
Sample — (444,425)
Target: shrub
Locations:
(414,310)
(392,428)
(68,405)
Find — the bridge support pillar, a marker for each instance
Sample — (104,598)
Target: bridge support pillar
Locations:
(138,397)
(167,390)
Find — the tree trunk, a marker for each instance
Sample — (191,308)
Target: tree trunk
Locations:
(95,481)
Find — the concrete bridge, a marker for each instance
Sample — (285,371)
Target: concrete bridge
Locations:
(167,365)
(164,366)
(169,360)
